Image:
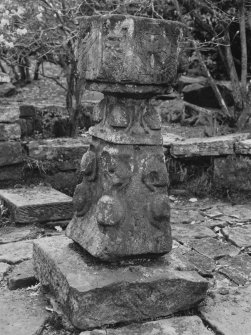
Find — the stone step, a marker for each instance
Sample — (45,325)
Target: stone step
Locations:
(212,146)
(37,204)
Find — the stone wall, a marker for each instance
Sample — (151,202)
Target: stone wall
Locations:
(24,160)
(11,153)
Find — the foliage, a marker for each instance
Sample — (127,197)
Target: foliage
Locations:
(48,30)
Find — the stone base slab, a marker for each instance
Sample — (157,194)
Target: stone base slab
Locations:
(93,293)
(37,204)
(184,325)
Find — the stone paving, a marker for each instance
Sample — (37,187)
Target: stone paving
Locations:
(210,237)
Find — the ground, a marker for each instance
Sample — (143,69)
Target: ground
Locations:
(213,237)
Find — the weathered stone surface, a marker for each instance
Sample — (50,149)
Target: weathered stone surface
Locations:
(243,147)
(13,234)
(169,138)
(4,268)
(13,253)
(237,269)
(240,236)
(187,232)
(10,131)
(124,209)
(23,275)
(233,172)
(21,313)
(229,314)
(202,264)
(127,89)
(94,294)
(62,149)
(7,90)
(124,120)
(186,325)
(9,114)
(10,153)
(213,248)
(133,50)
(186,215)
(37,204)
(213,146)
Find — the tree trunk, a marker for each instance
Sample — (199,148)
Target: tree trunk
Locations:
(244,57)
(36,70)
(237,95)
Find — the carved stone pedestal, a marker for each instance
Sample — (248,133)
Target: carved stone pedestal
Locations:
(93,294)
(121,204)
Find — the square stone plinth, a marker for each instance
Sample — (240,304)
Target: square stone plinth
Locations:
(37,204)
(94,293)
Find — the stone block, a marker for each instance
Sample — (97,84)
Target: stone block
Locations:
(124,212)
(184,325)
(27,127)
(94,294)
(243,147)
(213,146)
(142,51)
(213,248)
(13,234)
(22,312)
(10,131)
(22,276)
(239,236)
(60,150)
(13,253)
(229,314)
(237,269)
(187,232)
(9,114)
(37,204)
(10,153)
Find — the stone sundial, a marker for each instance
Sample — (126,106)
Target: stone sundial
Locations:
(121,206)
